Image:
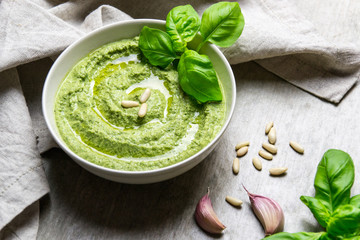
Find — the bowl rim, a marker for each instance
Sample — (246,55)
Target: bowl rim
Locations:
(125,173)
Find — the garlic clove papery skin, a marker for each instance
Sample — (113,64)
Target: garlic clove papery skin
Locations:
(206,217)
(268,212)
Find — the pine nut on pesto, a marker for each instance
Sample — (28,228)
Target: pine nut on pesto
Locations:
(94,125)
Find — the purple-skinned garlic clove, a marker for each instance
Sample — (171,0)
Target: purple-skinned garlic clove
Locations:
(206,217)
(268,212)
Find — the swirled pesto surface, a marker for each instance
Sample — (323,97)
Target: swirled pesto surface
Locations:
(95,126)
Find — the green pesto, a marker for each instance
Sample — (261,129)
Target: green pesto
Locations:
(95,126)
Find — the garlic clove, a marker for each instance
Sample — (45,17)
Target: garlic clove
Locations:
(268,212)
(206,217)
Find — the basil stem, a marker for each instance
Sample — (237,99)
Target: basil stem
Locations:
(298,236)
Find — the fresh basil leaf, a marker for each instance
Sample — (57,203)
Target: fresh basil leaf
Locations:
(334,179)
(319,210)
(352,238)
(222,24)
(182,24)
(297,236)
(198,77)
(157,47)
(345,221)
(355,201)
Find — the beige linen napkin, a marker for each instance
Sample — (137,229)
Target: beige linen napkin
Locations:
(276,36)
(22,179)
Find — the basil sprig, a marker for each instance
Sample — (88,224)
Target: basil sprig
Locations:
(221,24)
(332,206)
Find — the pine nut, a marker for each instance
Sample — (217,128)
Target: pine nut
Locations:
(236,165)
(142,110)
(268,127)
(242,151)
(270,148)
(242,144)
(265,155)
(272,135)
(233,201)
(297,147)
(278,171)
(257,163)
(145,95)
(129,104)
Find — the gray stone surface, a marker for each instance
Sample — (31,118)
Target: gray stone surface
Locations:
(83,206)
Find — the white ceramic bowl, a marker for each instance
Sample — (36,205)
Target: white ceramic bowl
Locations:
(111,33)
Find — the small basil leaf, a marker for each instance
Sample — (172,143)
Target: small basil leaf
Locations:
(198,77)
(355,201)
(334,179)
(222,23)
(318,209)
(297,236)
(345,221)
(157,47)
(182,24)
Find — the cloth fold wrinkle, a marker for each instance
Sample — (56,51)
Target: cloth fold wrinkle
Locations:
(42,40)
(22,178)
(23,226)
(103,16)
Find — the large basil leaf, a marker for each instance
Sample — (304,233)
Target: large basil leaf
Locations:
(198,77)
(334,179)
(345,221)
(157,47)
(298,236)
(222,23)
(355,201)
(318,209)
(182,24)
